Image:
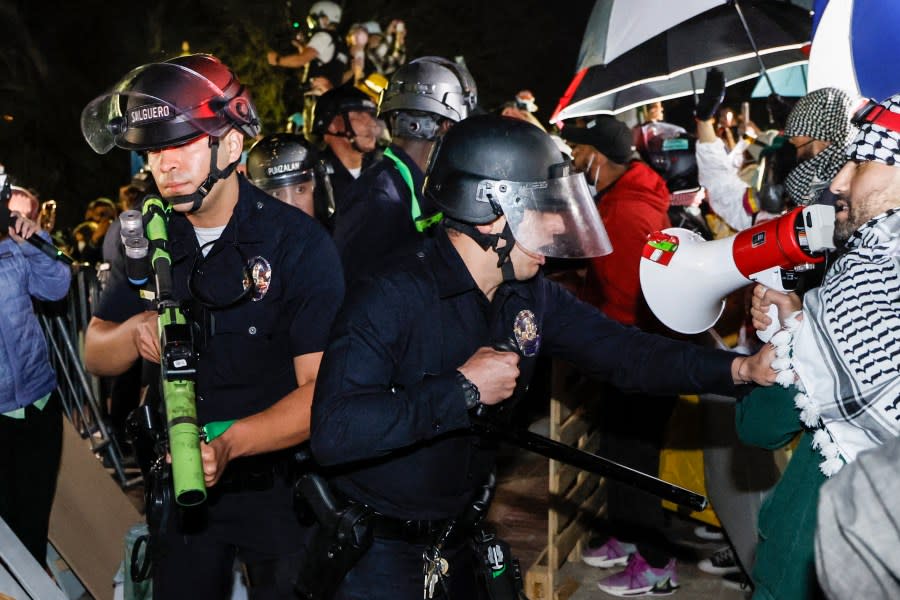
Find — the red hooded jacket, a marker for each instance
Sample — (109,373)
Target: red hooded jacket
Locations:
(634,206)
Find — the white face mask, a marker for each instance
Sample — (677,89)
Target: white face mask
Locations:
(81,245)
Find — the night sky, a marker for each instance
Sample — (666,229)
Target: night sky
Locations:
(56,56)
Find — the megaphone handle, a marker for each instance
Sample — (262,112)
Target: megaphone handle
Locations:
(766,334)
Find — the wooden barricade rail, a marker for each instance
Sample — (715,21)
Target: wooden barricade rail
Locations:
(576,497)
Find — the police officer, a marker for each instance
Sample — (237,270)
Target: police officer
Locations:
(385,212)
(287,166)
(414,350)
(261,282)
(344,121)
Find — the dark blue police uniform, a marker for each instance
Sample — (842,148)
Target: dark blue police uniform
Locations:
(341,179)
(387,393)
(375,224)
(245,365)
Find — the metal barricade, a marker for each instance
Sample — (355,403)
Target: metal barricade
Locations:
(64,324)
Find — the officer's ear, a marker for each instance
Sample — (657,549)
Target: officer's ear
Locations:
(233,145)
(494,227)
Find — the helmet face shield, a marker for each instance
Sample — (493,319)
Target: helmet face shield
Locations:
(182,105)
(555,218)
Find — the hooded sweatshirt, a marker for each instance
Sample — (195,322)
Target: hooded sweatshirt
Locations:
(634,206)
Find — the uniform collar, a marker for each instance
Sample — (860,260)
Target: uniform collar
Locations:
(451,274)
(242,227)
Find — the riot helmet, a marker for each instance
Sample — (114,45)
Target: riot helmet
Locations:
(160,105)
(330,10)
(339,102)
(279,160)
(423,92)
(489,165)
(170,103)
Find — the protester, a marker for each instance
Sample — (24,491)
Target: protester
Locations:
(858,527)
(412,351)
(840,363)
(30,414)
(633,202)
(260,283)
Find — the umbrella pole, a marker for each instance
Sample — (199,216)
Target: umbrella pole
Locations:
(762,67)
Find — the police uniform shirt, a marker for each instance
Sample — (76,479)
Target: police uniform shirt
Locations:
(342,179)
(387,394)
(246,351)
(376,225)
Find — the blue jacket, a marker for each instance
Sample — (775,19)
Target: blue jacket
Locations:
(25,272)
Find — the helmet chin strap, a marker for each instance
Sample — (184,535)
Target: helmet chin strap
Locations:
(196,198)
(347,133)
(490,241)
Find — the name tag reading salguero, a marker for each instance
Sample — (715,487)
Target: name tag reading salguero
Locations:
(150,113)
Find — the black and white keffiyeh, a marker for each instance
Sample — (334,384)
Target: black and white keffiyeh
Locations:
(823,114)
(845,352)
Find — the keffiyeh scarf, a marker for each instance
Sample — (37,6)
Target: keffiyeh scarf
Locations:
(823,114)
(845,352)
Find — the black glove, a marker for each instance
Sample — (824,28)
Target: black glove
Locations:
(712,96)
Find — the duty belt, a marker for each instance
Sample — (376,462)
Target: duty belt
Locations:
(411,531)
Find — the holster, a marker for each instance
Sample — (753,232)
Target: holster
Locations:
(342,534)
(148,437)
(498,571)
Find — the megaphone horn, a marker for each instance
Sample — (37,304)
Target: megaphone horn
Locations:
(685,279)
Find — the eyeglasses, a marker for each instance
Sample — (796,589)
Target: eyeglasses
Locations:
(876,114)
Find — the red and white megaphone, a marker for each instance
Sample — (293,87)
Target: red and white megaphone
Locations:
(685,278)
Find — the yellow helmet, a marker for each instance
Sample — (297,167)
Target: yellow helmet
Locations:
(373,85)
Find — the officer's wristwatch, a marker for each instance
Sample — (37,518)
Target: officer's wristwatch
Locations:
(470,391)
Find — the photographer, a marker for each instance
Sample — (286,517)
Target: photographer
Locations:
(30,419)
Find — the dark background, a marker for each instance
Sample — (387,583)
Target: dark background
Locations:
(56,56)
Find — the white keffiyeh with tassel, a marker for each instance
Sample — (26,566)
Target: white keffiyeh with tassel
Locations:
(844,355)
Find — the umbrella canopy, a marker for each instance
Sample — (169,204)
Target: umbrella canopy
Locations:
(617,26)
(789,82)
(661,67)
(855,47)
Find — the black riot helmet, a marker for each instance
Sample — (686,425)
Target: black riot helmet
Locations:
(340,101)
(279,160)
(487,166)
(166,104)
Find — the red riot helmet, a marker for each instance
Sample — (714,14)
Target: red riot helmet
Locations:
(169,103)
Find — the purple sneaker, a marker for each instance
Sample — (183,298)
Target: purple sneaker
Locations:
(611,554)
(640,579)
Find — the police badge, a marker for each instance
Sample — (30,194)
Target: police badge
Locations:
(525,330)
(261,272)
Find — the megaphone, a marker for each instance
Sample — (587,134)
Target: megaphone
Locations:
(685,279)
